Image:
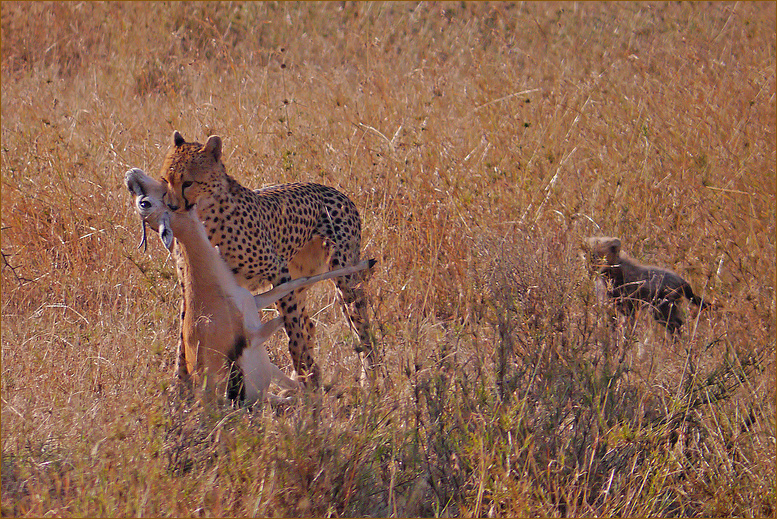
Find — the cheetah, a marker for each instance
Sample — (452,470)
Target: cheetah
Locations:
(272,235)
(223,334)
(634,284)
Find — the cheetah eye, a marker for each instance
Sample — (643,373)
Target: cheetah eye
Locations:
(144,204)
(186,184)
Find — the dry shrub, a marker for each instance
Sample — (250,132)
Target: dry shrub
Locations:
(591,432)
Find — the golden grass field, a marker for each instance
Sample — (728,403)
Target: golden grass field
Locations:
(481,142)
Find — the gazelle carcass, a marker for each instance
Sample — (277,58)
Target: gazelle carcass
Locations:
(222,333)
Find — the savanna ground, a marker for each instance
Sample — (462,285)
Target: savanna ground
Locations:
(480,142)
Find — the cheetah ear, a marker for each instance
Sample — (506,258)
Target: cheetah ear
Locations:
(615,246)
(178,140)
(213,147)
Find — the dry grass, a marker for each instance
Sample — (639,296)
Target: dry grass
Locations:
(480,143)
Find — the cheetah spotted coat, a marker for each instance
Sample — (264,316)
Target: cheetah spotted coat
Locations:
(273,235)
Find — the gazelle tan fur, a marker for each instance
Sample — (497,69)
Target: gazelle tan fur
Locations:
(223,335)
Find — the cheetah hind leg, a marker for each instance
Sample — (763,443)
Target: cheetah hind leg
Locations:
(354,303)
(292,301)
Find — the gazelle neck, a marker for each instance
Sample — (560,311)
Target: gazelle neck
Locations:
(193,238)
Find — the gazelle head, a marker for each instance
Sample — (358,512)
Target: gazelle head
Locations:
(149,204)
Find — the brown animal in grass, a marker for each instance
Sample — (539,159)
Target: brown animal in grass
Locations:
(634,285)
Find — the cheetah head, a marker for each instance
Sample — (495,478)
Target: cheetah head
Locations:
(192,171)
(602,252)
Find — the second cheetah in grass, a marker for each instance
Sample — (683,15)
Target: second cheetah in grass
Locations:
(634,284)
